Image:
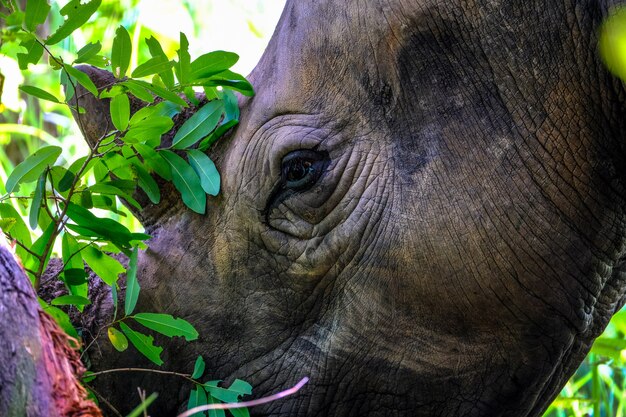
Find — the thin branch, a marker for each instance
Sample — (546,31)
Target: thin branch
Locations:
(105,401)
(154,371)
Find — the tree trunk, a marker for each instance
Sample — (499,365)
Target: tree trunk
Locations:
(38,365)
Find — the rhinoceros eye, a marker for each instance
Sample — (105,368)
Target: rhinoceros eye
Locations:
(299,171)
(302,168)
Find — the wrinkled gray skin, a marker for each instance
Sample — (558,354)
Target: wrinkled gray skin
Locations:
(463,247)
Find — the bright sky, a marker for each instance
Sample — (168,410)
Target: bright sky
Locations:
(241,26)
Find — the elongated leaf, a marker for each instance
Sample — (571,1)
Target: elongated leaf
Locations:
(82,78)
(132,284)
(215,413)
(212,63)
(198,368)
(62,319)
(157,51)
(154,161)
(167,325)
(186,181)
(231,394)
(77,14)
(35,13)
(120,54)
(19,230)
(227,79)
(73,269)
(147,183)
(108,229)
(71,300)
(159,91)
(183,66)
(199,125)
(117,338)
(39,93)
(206,170)
(197,397)
(152,66)
(148,130)
(35,206)
(144,344)
(32,167)
(216,134)
(104,266)
(34,51)
(139,92)
(87,52)
(120,111)
(139,410)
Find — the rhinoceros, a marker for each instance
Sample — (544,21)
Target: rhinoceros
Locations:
(422,210)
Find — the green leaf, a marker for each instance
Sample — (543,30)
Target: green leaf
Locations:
(227,79)
(199,125)
(32,167)
(132,284)
(231,394)
(87,52)
(212,63)
(154,161)
(186,181)
(62,319)
(152,66)
(73,267)
(183,66)
(120,111)
(197,397)
(71,300)
(139,410)
(94,226)
(77,15)
(215,413)
(157,51)
(68,86)
(148,129)
(34,51)
(198,368)
(144,344)
(159,91)
(82,78)
(36,13)
(147,183)
(167,325)
(206,170)
(35,206)
(104,266)
(39,93)
(216,134)
(19,230)
(138,91)
(120,54)
(117,338)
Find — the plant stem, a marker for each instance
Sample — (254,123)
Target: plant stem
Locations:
(155,371)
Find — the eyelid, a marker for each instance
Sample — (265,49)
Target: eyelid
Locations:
(280,192)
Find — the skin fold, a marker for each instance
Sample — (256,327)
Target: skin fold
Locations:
(462,239)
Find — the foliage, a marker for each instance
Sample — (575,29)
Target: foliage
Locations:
(73,203)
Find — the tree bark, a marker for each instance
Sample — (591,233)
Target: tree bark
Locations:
(39,365)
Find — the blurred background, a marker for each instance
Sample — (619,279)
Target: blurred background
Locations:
(244,27)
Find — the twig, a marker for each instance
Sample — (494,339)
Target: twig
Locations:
(155,371)
(251,403)
(105,401)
